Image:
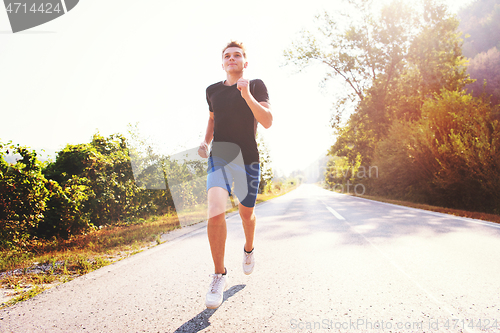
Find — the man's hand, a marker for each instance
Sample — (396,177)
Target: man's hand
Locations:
(243,85)
(203,150)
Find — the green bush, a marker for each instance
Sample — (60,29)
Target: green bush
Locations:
(24,196)
(449,157)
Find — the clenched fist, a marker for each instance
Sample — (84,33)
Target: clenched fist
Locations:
(243,85)
(203,150)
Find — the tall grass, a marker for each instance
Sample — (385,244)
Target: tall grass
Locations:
(28,271)
(107,241)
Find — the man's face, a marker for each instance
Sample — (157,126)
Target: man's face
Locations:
(233,60)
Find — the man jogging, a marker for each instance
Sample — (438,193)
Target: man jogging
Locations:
(236,106)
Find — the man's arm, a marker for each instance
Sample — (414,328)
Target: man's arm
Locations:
(209,135)
(261,110)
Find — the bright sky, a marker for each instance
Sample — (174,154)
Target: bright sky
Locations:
(107,64)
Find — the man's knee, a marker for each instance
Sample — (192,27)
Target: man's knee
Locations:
(217,220)
(215,211)
(217,199)
(246,213)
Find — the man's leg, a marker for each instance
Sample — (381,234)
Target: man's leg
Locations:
(248,219)
(216,228)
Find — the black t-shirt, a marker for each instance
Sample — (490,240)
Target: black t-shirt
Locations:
(233,120)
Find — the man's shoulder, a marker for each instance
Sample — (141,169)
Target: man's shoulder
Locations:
(257,84)
(257,81)
(213,86)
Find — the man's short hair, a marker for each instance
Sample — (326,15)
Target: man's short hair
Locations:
(235,44)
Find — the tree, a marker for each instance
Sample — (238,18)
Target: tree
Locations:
(485,69)
(391,63)
(24,195)
(480,24)
(368,50)
(101,167)
(448,157)
(432,141)
(66,214)
(266,171)
(465,144)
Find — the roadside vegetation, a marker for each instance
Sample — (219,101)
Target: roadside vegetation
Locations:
(26,273)
(97,203)
(413,122)
(63,219)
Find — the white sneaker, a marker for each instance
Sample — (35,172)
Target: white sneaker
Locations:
(216,289)
(248,262)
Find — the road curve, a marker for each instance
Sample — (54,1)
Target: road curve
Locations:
(326,262)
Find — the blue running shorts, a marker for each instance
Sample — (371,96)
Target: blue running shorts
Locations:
(246,179)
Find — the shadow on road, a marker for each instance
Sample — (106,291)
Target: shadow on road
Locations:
(200,321)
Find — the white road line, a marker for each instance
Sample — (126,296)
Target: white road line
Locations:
(443,305)
(337,215)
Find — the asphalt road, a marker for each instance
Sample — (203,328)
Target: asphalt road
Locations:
(325,262)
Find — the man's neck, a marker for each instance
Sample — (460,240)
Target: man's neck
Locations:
(231,79)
